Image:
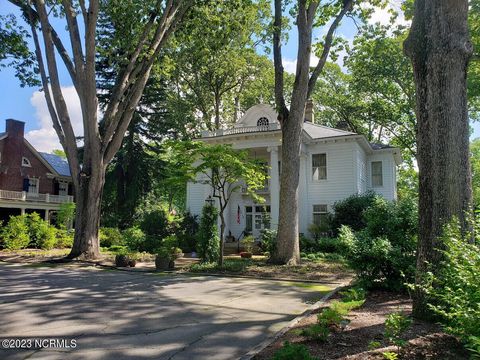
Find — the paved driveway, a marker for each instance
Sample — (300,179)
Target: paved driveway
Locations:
(125,315)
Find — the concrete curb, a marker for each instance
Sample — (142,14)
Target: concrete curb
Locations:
(274,337)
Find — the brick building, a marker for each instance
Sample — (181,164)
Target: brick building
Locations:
(30,181)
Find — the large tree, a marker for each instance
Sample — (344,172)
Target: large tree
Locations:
(439,48)
(101,140)
(309,13)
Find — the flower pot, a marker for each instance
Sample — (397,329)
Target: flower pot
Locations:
(246,255)
(132,263)
(163,263)
(121,260)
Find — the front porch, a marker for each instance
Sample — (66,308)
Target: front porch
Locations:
(14,203)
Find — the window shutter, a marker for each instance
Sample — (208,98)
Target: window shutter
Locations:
(70,189)
(56,187)
(26,184)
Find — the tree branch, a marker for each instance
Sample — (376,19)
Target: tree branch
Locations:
(347,6)
(277,60)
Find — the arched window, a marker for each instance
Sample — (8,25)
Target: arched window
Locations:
(263,121)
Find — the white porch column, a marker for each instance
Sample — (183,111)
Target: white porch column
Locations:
(274,186)
(303,195)
(22,211)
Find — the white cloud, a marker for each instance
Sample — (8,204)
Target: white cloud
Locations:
(383,16)
(290,65)
(45,138)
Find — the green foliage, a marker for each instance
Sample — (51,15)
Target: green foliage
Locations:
(155,223)
(135,238)
(229,265)
(372,345)
(15,234)
(383,253)
(268,240)
(455,289)
(187,232)
(65,215)
(64,238)
(31,231)
(475,163)
(317,332)
(390,355)
(42,234)
(110,236)
(292,352)
(353,294)
(208,246)
(248,242)
(395,325)
(350,211)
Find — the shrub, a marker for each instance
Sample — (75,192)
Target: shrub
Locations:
(155,223)
(187,232)
(64,238)
(318,332)
(268,241)
(208,246)
(353,294)
(395,325)
(350,211)
(383,253)
(455,290)
(292,352)
(42,234)
(65,215)
(15,234)
(248,242)
(134,239)
(110,236)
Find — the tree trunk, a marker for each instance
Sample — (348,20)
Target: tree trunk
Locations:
(222,231)
(439,48)
(288,249)
(217,111)
(87,218)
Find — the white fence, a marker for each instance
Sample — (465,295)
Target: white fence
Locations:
(26,196)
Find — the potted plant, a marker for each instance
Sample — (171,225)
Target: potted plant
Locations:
(164,259)
(247,243)
(121,256)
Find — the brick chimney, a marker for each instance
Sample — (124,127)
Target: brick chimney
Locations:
(309,111)
(15,128)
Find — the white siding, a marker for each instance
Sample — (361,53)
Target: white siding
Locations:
(340,183)
(196,195)
(388,190)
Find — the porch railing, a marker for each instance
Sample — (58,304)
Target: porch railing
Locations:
(241,130)
(27,196)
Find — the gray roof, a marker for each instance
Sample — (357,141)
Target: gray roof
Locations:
(320,131)
(59,164)
(380,146)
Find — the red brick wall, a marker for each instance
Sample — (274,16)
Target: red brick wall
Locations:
(12,173)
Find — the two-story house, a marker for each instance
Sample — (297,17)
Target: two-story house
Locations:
(30,181)
(333,165)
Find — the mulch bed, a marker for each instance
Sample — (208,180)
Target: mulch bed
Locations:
(425,340)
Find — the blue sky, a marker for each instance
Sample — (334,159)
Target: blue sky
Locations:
(27,104)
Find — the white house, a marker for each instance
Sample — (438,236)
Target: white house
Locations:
(334,164)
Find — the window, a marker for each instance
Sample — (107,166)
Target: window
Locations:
(248,218)
(33,185)
(319,166)
(320,214)
(26,162)
(62,188)
(263,121)
(377,176)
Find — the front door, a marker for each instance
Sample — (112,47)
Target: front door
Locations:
(257,219)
